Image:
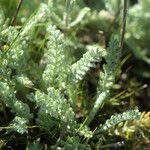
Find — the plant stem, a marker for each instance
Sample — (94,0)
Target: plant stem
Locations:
(66,13)
(16,13)
(114,145)
(123,23)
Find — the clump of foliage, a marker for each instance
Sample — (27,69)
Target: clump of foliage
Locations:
(46,70)
(137,24)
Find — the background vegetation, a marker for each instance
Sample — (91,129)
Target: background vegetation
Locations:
(69,77)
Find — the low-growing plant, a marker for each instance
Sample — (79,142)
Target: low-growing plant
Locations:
(44,69)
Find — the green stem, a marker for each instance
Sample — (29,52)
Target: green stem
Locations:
(66,13)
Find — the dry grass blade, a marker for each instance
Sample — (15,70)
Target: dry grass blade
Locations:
(16,13)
